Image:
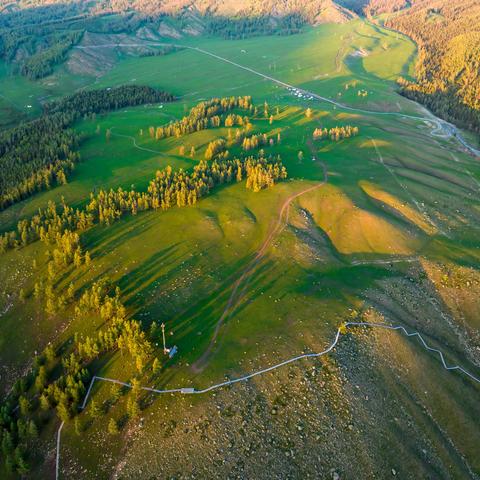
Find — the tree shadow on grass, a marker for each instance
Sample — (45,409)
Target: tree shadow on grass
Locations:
(104,239)
(147,272)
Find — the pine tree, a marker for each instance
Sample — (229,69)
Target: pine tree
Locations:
(49,353)
(44,403)
(24,405)
(155,366)
(41,379)
(32,430)
(22,466)
(113,427)
(116,393)
(77,425)
(95,410)
(133,410)
(63,411)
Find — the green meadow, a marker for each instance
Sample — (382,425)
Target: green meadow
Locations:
(395,222)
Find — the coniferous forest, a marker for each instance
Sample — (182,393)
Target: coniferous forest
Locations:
(40,154)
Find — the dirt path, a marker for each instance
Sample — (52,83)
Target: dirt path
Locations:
(135,144)
(235,297)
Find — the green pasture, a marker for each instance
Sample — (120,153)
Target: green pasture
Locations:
(329,262)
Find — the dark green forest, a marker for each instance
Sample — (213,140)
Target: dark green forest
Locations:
(41,153)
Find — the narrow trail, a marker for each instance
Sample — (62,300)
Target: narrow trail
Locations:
(135,144)
(192,391)
(280,224)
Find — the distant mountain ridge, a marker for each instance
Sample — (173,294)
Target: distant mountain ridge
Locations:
(314,11)
(447,33)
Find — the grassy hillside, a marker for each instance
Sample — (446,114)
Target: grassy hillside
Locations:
(388,234)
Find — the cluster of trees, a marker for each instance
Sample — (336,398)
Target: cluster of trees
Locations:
(202,116)
(335,133)
(214,148)
(179,188)
(233,119)
(448,67)
(39,154)
(254,141)
(46,225)
(169,188)
(249,26)
(58,380)
(263,175)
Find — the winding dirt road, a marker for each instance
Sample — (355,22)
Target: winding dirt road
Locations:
(236,296)
(440,125)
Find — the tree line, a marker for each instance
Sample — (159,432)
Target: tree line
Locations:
(202,116)
(169,188)
(39,154)
(335,133)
